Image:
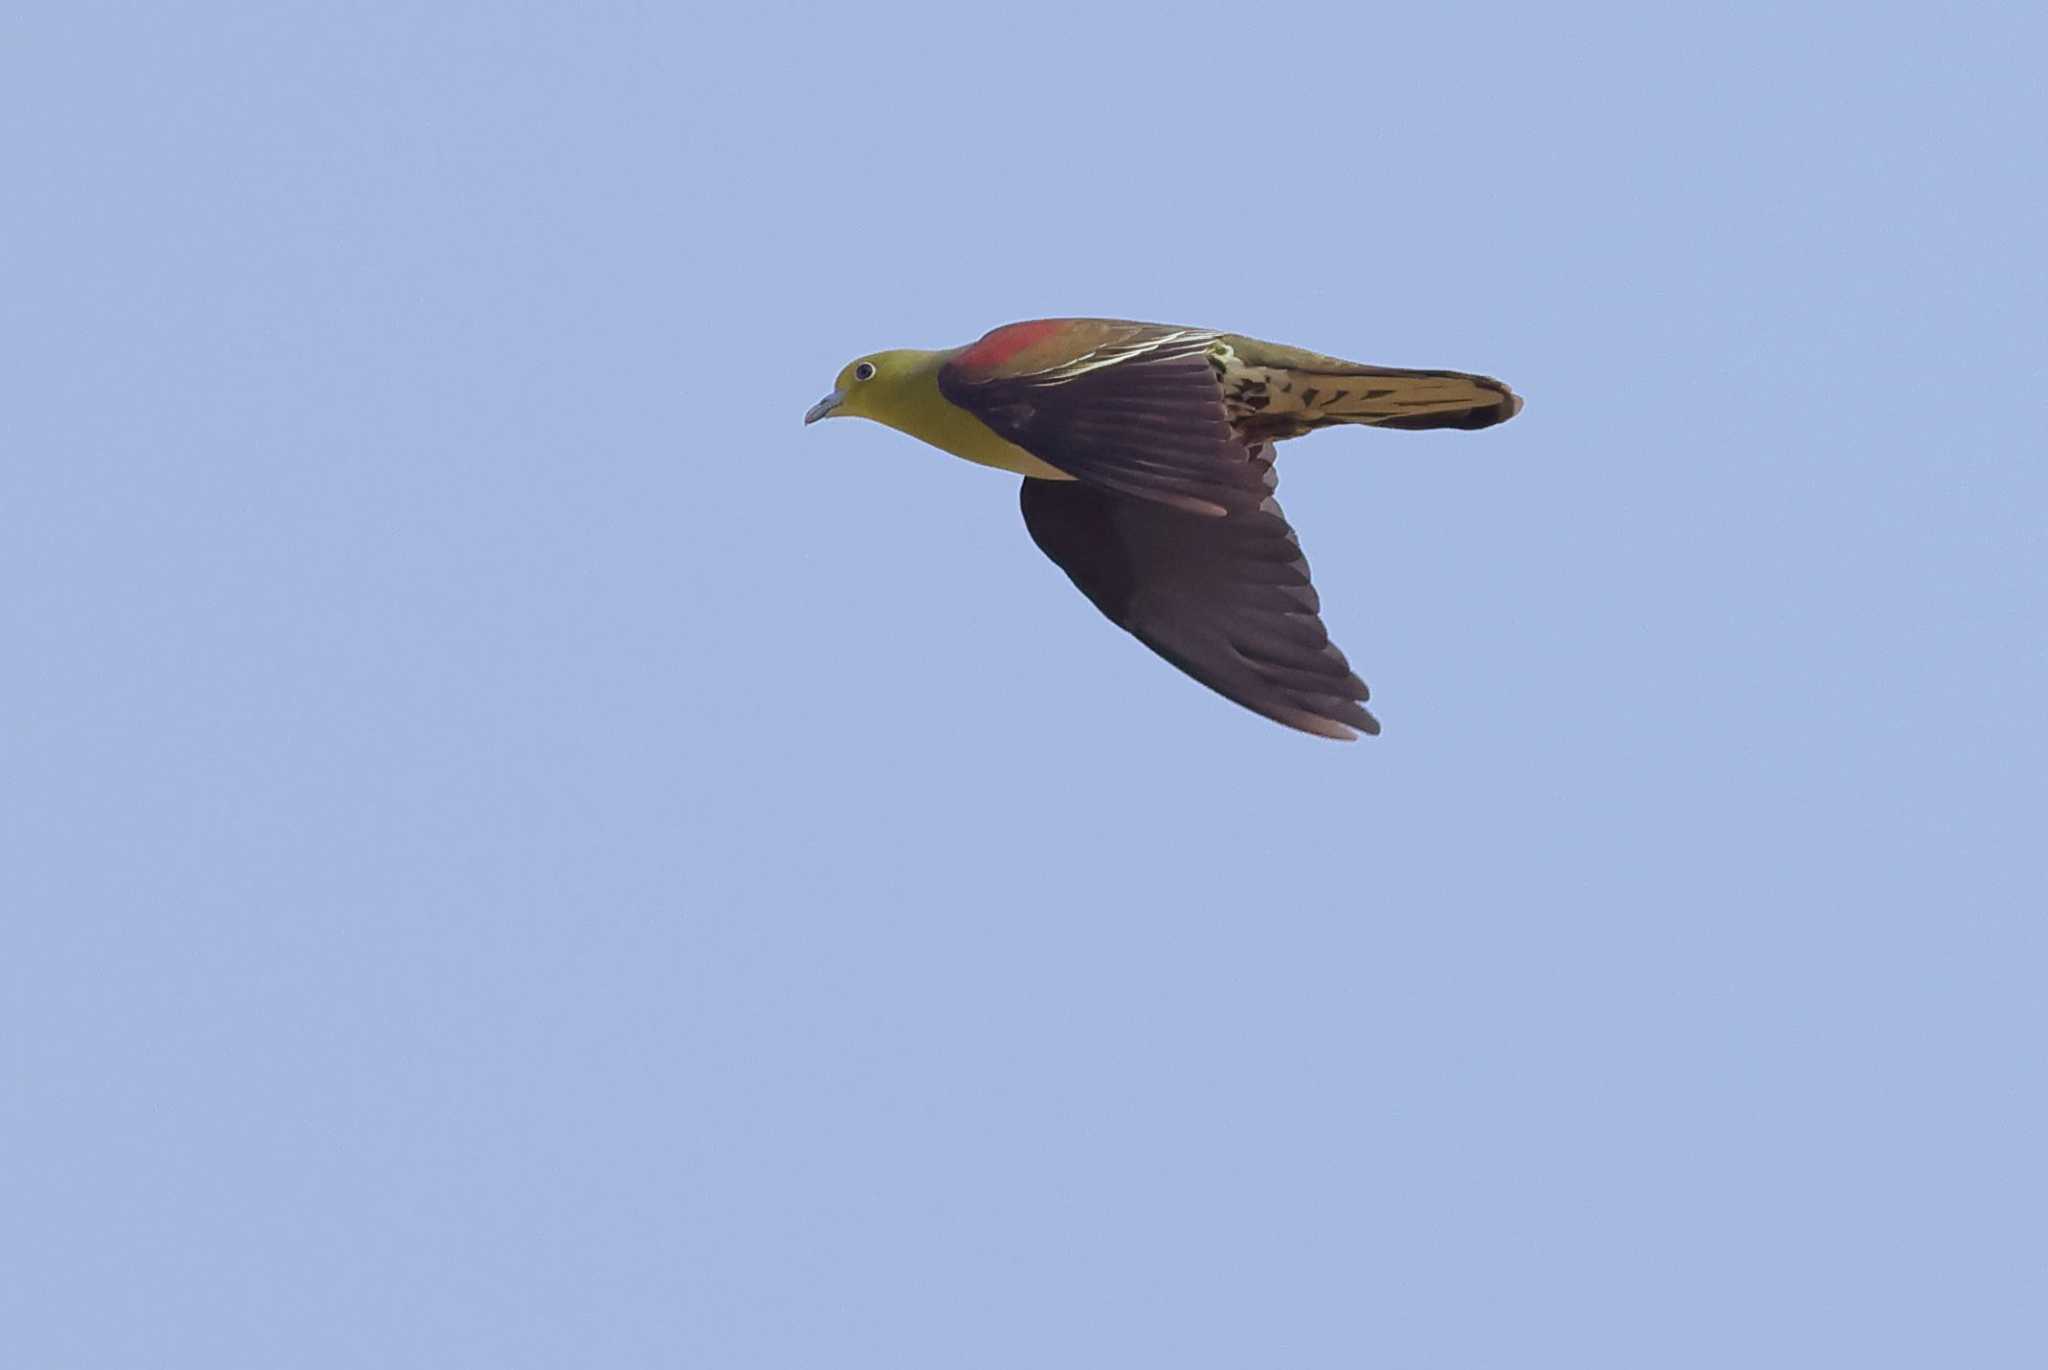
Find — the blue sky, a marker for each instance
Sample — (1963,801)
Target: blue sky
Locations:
(517,853)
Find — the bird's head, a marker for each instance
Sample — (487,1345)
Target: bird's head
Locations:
(875,387)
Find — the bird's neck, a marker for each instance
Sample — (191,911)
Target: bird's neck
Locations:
(917,407)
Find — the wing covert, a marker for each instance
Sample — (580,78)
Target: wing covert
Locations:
(1130,407)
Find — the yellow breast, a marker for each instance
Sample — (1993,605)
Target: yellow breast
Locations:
(921,411)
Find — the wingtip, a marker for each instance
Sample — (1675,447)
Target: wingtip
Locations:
(1317,725)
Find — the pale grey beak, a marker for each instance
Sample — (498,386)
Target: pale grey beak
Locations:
(824,406)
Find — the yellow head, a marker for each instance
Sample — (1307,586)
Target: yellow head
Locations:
(901,389)
(880,386)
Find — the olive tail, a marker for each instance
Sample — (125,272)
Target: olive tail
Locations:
(1279,392)
(1388,398)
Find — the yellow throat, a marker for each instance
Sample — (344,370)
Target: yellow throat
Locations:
(901,389)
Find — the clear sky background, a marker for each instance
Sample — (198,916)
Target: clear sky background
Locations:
(517,853)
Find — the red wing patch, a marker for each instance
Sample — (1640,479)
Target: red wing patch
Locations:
(1001,344)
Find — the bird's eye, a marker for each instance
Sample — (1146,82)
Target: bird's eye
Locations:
(864,372)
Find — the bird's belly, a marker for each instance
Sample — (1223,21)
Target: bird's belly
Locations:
(965,436)
(1007,456)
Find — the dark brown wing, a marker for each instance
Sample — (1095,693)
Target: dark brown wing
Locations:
(1136,408)
(1227,600)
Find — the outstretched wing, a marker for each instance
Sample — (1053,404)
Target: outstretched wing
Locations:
(1132,407)
(1227,600)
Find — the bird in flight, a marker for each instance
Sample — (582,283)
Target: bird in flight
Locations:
(1147,457)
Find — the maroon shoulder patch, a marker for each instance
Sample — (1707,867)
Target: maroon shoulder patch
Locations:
(1001,344)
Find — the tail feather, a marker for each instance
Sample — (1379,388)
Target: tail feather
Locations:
(1387,398)
(1279,392)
